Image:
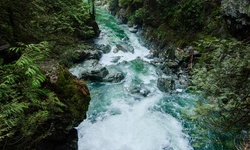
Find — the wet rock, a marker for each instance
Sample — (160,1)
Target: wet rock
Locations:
(93,54)
(139,90)
(125,48)
(114,77)
(165,84)
(125,38)
(74,94)
(133,30)
(166,70)
(99,46)
(144,92)
(150,56)
(116,50)
(122,16)
(92,70)
(81,56)
(106,49)
(116,59)
(134,90)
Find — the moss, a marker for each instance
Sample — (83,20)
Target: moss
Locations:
(74,93)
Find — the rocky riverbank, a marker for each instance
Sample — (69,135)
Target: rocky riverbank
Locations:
(172,51)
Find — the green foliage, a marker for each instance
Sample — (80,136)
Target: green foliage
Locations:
(25,106)
(123,3)
(223,76)
(36,32)
(189,14)
(59,22)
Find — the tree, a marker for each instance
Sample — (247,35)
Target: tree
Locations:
(223,75)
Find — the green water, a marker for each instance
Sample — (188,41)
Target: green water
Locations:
(119,119)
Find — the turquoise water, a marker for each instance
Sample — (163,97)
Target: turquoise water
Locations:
(119,119)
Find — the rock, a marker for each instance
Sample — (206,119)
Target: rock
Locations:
(167,70)
(81,56)
(92,70)
(165,84)
(116,50)
(114,77)
(106,49)
(237,16)
(144,92)
(133,30)
(134,90)
(99,46)
(150,56)
(125,38)
(122,16)
(139,90)
(125,48)
(93,54)
(74,94)
(116,59)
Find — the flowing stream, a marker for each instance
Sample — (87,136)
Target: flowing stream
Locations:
(120,120)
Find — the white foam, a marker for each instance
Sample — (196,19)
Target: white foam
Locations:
(139,50)
(136,127)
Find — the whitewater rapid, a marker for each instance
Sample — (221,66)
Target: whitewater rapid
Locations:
(120,120)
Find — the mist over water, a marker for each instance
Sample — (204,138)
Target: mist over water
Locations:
(120,120)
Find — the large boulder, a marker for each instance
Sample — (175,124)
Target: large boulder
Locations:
(74,94)
(92,70)
(125,48)
(165,84)
(93,54)
(114,77)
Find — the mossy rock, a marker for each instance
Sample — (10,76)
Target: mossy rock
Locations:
(74,94)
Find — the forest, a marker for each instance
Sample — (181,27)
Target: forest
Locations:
(41,102)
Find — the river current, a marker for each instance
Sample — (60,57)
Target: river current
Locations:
(120,120)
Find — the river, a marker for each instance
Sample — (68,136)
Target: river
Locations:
(120,120)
